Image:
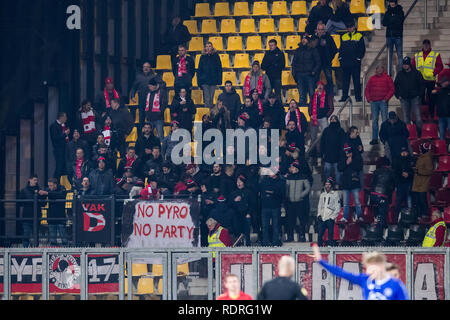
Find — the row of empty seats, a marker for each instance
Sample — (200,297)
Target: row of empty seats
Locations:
(266,25)
(279,8)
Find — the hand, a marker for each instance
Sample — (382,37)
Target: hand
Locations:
(237,199)
(67,132)
(434,91)
(183,102)
(151,172)
(360,148)
(316,255)
(405,175)
(43,193)
(133,100)
(349,160)
(103,114)
(207,201)
(248,216)
(203,188)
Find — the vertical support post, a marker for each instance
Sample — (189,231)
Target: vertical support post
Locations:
(332,260)
(6,275)
(409,274)
(74,218)
(425,18)
(217,275)
(255,262)
(45,276)
(351,112)
(130,283)
(84,275)
(113,219)
(35,220)
(446,276)
(437,6)
(166,276)
(121,276)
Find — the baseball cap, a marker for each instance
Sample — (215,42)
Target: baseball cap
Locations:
(407,61)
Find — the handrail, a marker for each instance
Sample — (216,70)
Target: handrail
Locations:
(348,101)
(367,69)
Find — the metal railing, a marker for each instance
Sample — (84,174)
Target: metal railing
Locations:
(256,258)
(349,101)
(369,68)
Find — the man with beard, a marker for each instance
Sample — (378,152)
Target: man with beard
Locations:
(183,110)
(214,180)
(331,144)
(71,150)
(28,193)
(251,112)
(129,162)
(145,143)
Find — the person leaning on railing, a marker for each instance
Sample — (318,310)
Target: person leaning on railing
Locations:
(28,193)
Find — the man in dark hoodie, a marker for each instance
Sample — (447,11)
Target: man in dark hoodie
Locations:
(350,167)
(273,63)
(239,202)
(122,121)
(274,112)
(331,144)
(319,13)
(272,191)
(404,175)
(382,186)
(327,50)
(28,193)
(209,73)
(140,86)
(393,21)
(177,34)
(394,134)
(232,101)
(102,179)
(145,143)
(409,88)
(251,112)
(305,68)
(168,179)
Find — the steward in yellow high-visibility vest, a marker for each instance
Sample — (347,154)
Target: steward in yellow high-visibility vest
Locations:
(437,234)
(218,236)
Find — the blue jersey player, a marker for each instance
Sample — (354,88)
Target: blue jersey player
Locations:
(376,283)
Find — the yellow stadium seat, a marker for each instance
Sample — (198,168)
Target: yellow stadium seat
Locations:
(258,57)
(183,269)
(167,117)
(137,116)
(279,8)
(69,198)
(314,3)
(302,25)
(244,74)
(337,40)
(166,131)
(241,60)
(194,81)
(229,75)
(163,62)
(267,26)
(287,79)
(169,79)
(234,43)
(358,7)
(299,8)
(217,43)
(202,10)
(305,111)
(217,93)
(138,269)
(197,60)
(239,92)
(200,113)
(64,181)
(241,9)
(228,26)
(286,58)
(365,24)
(292,94)
(191,25)
(286,25)
(132,137)
(221,9)
(145,286)
(377,6)
(254,43)
(279,43)
(136,97)
(225,59)
(292,42)
(247,26)
(196,44)
(260,8)
(197,96)
(157,270)
(171,96)
(209,26)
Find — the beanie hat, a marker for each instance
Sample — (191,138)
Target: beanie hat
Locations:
(242,178)
(190,166)
(221,198)
(347,148)
(190,183)
(291,147)
(109,80)
(330,180)
(152,82)
(407,61)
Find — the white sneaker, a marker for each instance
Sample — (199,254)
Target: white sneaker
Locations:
(343,220)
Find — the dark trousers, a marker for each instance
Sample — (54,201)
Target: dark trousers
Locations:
(402,195)
(276,85)
(420,201)
(324,225)
(328,71)
(142,116)
(60,163)
(298,210)
(429,86)
(27,230)
(183,82)
(353,72)
(266,215)
(381,208)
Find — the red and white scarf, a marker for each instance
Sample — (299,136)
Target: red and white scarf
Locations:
(299,122)
(88,119)
(64,128)
(322,105)
(107,135)
(182,66)
(259,89)
(79,164)
(116,96)
(130,162)
(156,104)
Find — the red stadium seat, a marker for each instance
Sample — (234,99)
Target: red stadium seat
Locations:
(352,233)
(425,113)
(391,216)
(429,131)
(439,147)
(336,236)
(448,181)
(412,129)
(436,181)
(415,146)
(394,197)
(447,215)
(442,198)
(444,164)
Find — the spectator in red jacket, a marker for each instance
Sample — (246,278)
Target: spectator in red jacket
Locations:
(443,73)
(379,91)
